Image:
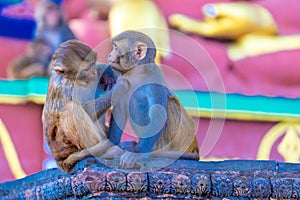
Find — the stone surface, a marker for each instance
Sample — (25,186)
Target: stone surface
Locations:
(182,179)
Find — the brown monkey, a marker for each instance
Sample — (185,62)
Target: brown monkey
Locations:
(69,131)
(141,96)
(34,62)
(69,120)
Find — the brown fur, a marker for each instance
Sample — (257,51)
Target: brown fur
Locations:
(179,132)
(136,67)
(69,119)
(70,131)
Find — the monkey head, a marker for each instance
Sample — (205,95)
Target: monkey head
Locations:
(130,49)
(39,48)
(48,14)
(74,60)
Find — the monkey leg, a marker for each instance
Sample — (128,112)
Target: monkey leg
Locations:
(83,132)
(97,150)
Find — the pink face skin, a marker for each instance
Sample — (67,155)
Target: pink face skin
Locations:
(113,58)
(52,17)
(118,59)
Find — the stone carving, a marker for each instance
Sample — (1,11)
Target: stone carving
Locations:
(180,180)
(95,180)
(137,182)
(222,186)
(261,188)
(201,185)
(180,184)
(296,189)
(116,181)
(78,185)
(282,188)
(159,183)
(242,187)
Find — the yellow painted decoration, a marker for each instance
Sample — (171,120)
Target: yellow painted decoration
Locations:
(255,45)
(144,16)
(10,152)
(241,115)
(10,99)
(251,26)
(228,20)
(289,147)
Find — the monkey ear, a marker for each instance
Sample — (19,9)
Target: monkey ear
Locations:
(140,51)
(59,69)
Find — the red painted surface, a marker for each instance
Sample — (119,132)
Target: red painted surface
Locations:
(23,122)
(237,139)
(9,50)
(273,74)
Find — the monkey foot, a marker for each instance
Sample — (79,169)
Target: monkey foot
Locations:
(112,153)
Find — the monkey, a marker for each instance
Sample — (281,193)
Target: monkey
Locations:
(34,62)
(71,110)
(51,24)
(70,132)
(142,97)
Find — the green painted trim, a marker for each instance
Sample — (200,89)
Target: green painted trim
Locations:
(237,106)
(198,104)
(24,88)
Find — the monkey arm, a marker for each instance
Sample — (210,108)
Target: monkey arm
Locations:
(148,115)
(120,110)
(102,104)
(96,108)
(117,124)
(107,76)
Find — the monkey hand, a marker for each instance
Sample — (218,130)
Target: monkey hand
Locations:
(108,78)
(69,163)
(113,152)
(130,160)
(89,108)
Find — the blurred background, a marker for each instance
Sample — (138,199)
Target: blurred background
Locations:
(235,66)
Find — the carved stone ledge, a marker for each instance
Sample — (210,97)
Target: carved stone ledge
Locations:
(236,179)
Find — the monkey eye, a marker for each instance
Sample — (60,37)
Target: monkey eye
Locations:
(59,70)
(116,48)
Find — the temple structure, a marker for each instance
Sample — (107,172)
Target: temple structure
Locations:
(91,179)
(246,110)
